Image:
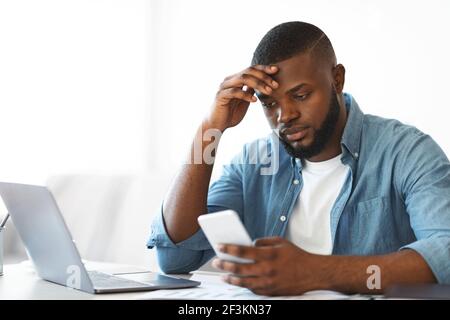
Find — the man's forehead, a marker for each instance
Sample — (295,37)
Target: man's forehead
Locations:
(300,68)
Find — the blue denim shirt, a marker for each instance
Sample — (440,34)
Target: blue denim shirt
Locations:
(396,196)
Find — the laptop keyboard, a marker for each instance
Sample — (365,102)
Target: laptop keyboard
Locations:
(103,280)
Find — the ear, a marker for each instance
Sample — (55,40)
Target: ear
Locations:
(339,78)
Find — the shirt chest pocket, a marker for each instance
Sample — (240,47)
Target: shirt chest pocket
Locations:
(370,206)
(372,225)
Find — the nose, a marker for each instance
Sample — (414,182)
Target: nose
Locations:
(287,113)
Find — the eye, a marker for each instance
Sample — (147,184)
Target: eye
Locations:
(301,97)
(269,105)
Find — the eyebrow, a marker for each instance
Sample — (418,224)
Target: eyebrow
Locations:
(262,96)
(296,88)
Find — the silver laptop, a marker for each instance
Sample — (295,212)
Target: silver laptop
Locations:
(49,244)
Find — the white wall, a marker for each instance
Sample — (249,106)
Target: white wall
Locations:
(72,87)
(72,102)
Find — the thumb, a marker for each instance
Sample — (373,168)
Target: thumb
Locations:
(269,241)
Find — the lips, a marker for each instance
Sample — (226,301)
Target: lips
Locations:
(294,134)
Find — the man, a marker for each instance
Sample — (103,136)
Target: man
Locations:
(354,195)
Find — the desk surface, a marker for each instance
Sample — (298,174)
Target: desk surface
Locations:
(19,281)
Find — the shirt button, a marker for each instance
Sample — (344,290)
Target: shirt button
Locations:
(296,181)
(356,154)
(283,218)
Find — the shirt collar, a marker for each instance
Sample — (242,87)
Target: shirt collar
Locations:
(351,136)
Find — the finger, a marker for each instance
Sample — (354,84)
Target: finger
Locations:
(247,89)
(252,253)
(242,269)
(258,284)
(253,74)
(246,269)
(260,72)
(245,282)
(235,268)
(247,80)
(267,72)
(237,93)
(270,69)
(263,73)
(269,241)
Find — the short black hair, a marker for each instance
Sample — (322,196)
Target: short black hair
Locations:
(291,38)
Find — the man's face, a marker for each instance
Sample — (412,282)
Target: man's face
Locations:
(304,108)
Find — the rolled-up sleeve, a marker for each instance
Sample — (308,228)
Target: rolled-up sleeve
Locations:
(181,257)
(193,252)
(426,190)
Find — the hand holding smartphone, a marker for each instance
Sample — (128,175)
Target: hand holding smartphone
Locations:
(225,227)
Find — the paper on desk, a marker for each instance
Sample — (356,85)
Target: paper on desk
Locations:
(213,288)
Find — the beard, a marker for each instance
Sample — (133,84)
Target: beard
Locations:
(321,136)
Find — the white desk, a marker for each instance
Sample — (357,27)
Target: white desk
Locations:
(19,281)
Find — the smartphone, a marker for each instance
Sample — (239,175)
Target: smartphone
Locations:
(225,227)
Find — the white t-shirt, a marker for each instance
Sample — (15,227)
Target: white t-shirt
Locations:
(309,225)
